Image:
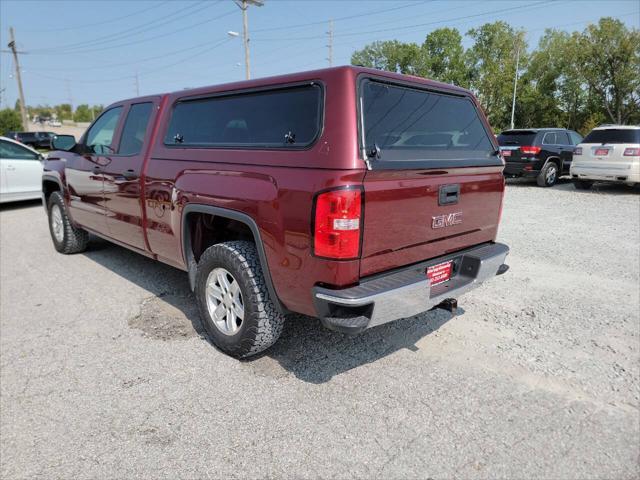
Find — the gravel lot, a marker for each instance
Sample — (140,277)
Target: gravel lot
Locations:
(104,375)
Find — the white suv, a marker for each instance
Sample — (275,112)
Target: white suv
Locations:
(610,153)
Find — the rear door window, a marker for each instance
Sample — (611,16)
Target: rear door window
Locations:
(613,135)
(135,128)
(409,124)
(283,118)
(563,138)
(550,138)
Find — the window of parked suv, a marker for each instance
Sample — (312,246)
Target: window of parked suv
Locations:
(612,135)
(404,123)
(575,138)
(284,118)
(517,137)
(16,152)
(550,138)
(100,135)
(135,128)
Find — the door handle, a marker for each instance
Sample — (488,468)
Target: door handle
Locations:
(11,167)
(97,169)
(130,174)
(448,194)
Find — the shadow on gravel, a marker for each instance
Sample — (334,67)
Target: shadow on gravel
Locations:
(306,349)
(5,207)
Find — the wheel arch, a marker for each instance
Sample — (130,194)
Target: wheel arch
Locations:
(556,160)
(50,184)
(243,218)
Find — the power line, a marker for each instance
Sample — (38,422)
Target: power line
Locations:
(132,31)
(103,22)
(162,35)
(339,19)
(141,74)
(418,25)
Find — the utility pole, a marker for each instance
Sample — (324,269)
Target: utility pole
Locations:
(23,107)
(515,87)
(330,45)
(69,97)
(244,5)
(137,85)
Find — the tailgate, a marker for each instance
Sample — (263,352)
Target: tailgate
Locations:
(404,222)
(435,182)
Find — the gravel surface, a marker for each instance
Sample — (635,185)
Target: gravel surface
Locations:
(103,372)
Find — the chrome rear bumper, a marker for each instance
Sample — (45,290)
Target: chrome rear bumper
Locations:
(407,292)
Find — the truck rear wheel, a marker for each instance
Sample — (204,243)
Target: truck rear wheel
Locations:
(234,302)
(66,238)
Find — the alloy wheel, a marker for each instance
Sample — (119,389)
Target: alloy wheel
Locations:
(224,301)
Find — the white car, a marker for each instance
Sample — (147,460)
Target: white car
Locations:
(54,123)
(20,171)
(610,153)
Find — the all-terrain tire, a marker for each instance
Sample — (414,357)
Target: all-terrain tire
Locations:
(262,323)
(68,239)
(582,184)
(548,175)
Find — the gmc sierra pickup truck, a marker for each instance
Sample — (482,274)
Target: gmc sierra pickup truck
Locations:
(349,194)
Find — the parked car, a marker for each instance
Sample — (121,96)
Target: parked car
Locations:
(609,153)
(541,153)
(54,123)
(21,171)
(284,195)
(33,139)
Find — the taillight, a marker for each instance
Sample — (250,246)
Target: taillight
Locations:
(577,151)
(337,224)
(631,152)
(530,150)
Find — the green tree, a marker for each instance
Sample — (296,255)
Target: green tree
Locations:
(442,57)
(492,63)
(83,113)
(64,111)
(391,55)
(10,121)
(610,60)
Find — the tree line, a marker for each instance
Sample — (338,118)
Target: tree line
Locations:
(575,80)
(10,117)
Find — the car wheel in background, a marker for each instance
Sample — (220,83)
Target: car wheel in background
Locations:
(582,184)
(234,302)
(548,175)
(66,238)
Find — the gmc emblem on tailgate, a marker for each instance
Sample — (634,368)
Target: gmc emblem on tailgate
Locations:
(448,220)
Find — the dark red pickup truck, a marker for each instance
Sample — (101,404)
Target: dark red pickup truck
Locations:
(349,194)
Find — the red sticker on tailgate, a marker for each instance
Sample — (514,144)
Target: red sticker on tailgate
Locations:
(439,273)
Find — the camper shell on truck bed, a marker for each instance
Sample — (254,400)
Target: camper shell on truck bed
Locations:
(350,194)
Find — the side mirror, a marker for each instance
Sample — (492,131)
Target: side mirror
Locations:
(63,142)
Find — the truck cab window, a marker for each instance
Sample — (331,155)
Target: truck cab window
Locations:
(100,135)
(135,128)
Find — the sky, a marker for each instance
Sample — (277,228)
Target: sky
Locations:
(99,52)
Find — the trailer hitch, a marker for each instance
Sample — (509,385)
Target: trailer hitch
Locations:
(449,304)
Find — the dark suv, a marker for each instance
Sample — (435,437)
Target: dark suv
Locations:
(541,153)
(33,139)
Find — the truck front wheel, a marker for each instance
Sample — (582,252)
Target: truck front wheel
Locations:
(234,302)
(66,238)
